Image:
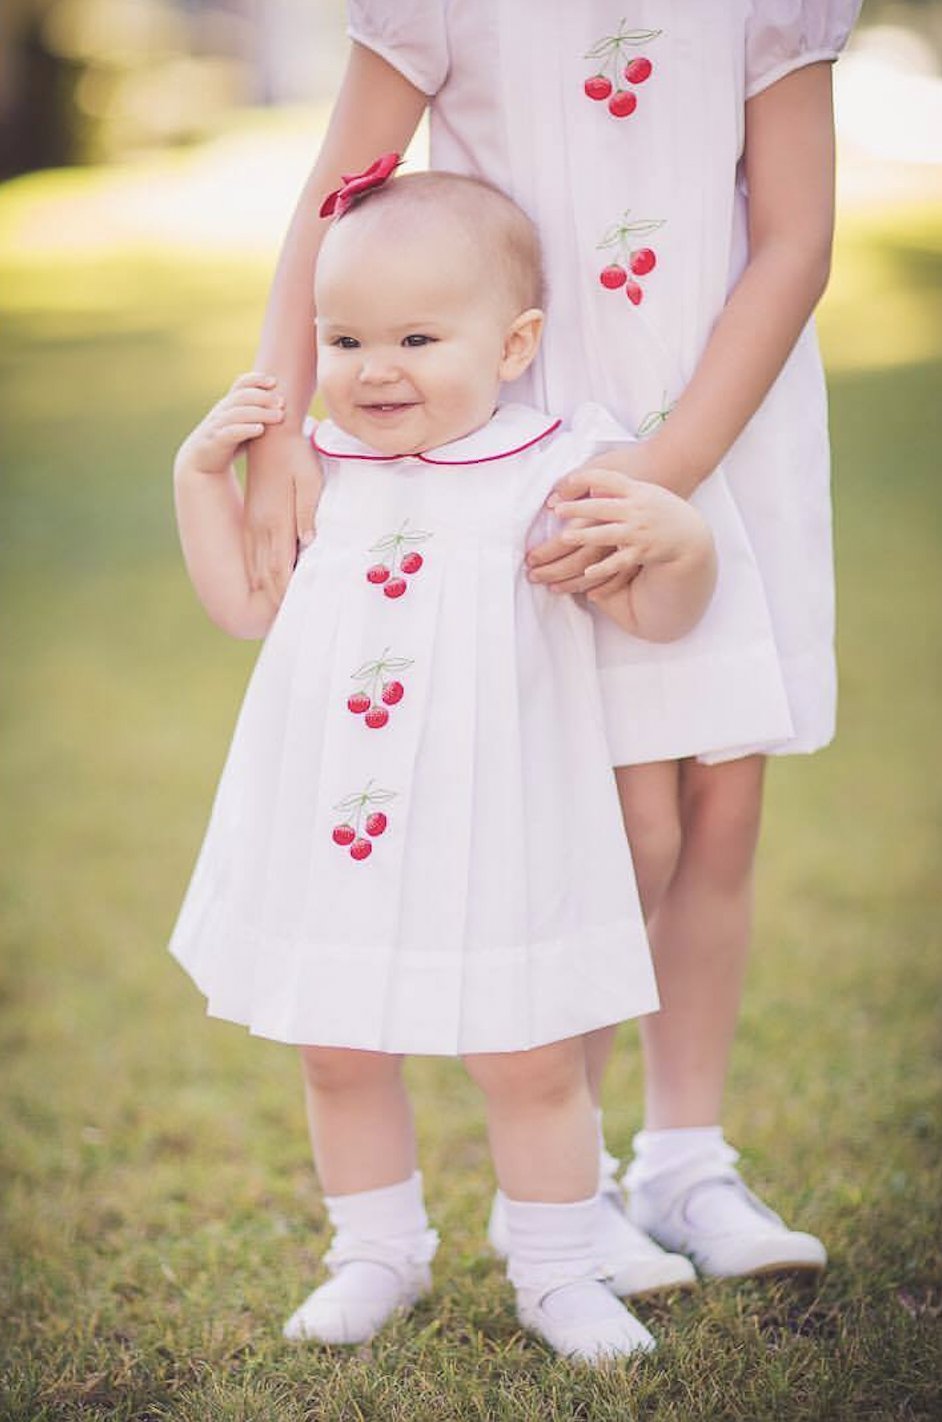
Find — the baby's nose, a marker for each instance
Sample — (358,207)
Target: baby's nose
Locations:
(378,369)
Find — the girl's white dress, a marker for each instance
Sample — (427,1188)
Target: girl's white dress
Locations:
(520,95)
(416,844)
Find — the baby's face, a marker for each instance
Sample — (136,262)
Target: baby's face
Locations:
(410,342)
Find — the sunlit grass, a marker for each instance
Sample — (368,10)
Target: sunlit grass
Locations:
(160,1214)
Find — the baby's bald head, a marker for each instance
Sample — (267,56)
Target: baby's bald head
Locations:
(469,222)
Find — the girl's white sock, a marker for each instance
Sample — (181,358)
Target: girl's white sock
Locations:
(662,1152)
(712,1206)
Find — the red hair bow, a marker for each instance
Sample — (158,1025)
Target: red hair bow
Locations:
(342,199)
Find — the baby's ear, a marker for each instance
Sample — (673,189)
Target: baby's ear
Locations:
(521,342)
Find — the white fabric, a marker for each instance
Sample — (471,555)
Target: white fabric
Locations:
(510,106)
(498,910)
(783,35)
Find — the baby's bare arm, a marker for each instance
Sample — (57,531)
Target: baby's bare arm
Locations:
(209,505)
(657,568)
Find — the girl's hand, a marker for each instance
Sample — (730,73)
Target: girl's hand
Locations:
(251,405)
(281,494)
(556,562)
(621,524)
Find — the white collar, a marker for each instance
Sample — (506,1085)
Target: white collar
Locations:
(511,429)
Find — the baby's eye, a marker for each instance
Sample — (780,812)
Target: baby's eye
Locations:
(417,340)
(346,343)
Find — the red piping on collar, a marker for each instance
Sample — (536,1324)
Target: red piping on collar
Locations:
(447,463)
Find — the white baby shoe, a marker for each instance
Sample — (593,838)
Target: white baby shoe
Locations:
(561,1293)
(634,1266)
(378,1261)
(583,1320)
(358,1300)
(704,1210)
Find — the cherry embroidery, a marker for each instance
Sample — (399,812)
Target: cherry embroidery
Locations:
(618,67)
(348,835)
(402,558)
(377,689)
(639,260)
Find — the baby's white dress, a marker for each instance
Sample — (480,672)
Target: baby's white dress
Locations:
(416,844)
(658,192)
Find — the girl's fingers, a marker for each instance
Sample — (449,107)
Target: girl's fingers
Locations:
(616,562)
(561,570)
(600,534)
(611,587)
(594,510)
(547,552)
(589,479)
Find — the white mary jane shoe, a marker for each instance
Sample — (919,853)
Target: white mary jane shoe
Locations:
(601,1331)
(359,1299)
(635,1266)
(742,1238)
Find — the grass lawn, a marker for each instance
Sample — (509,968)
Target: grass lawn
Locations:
(160,1216)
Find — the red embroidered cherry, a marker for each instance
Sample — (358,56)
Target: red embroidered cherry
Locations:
(634,293)
(375,823)
(613,276)
(411,563)
(358,703)
(598,87)
(376,716)
(361,849)
(622,103)
(638,70)
(378,573)
(395,587)
(344,834)
(643,261)
(393,692)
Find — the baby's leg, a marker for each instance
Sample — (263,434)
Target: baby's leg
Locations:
(364,1149)
(359,1118)
(543,1136)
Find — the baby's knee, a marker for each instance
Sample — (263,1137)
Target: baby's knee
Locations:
(543,1076)
(338,1069)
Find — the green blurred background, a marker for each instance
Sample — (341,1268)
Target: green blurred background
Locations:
(160,1214)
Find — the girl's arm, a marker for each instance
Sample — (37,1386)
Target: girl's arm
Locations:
(209,508)
(376,111)
(657,569)
(789,168)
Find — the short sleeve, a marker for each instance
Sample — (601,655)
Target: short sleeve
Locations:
(410,35)
(782,35)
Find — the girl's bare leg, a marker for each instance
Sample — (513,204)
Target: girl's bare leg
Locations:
(651,814)
(700,936)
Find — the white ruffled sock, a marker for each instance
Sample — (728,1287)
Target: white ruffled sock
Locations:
(378,1261)
(554,1267)
(711,1206)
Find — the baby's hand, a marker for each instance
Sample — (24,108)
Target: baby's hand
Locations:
(631,522)
(242,415)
